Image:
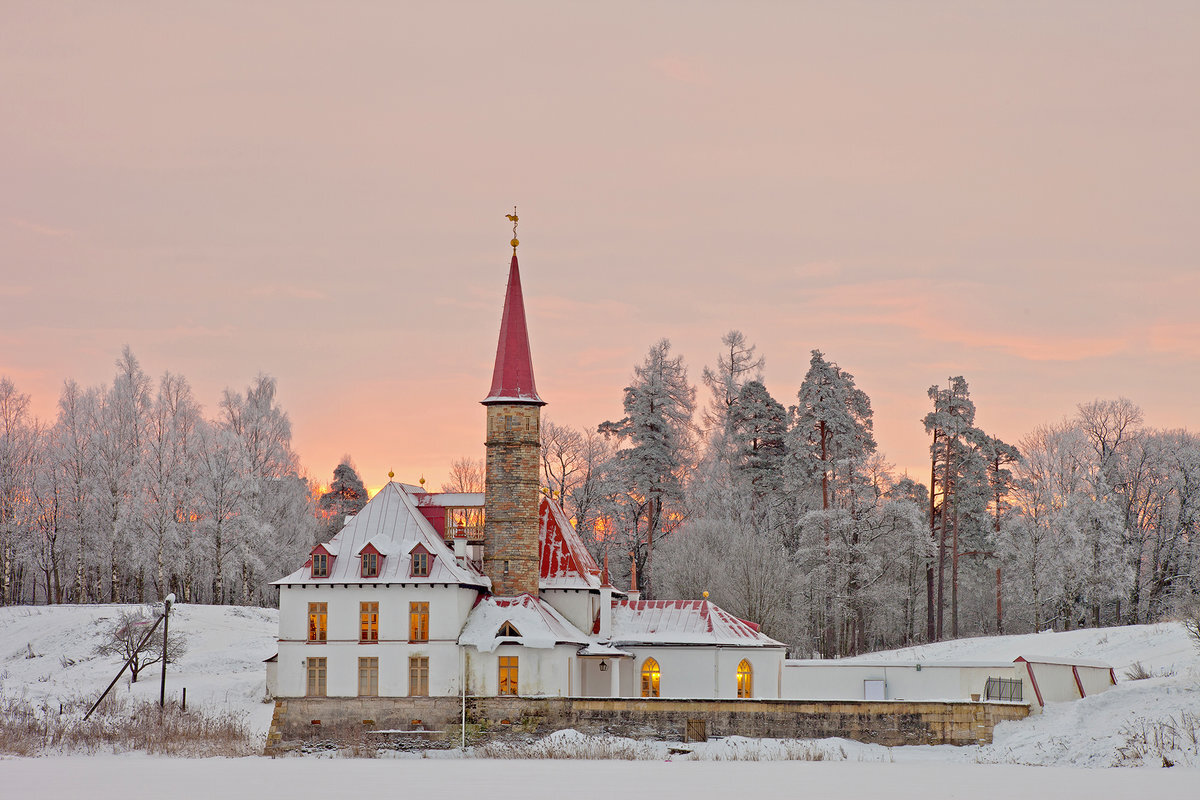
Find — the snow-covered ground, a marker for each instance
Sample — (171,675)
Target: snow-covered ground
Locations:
(120,778)
(222,668)
(223,671)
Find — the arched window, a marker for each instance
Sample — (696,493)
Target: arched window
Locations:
(745,678)
(650,678)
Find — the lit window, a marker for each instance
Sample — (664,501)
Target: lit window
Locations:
(368,629)
(418,676)
(320,565)
(508,675)
(508,629)
(745,679)
(650,678)
(316,677)
(317,621)
(418,622)
(368,677)
(420,564)
(370,565)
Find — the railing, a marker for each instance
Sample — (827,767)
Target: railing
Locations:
(1003,689)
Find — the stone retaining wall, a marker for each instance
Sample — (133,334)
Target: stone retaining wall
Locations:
(888,722)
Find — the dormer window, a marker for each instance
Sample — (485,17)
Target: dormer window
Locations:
(508,631)
(370,565)
(320,565)
(420,564)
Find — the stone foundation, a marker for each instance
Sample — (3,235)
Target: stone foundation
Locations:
(437,719)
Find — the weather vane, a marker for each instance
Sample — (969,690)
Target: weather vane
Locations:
(513,219)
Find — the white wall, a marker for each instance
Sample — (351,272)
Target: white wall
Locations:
(448,609)
(705,672)
(836,680)
(577,605)
(541,672)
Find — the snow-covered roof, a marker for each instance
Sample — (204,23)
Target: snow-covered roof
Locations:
(672,622)
(867,663)
(539,624)
(565,561)
(449,498)
(391,522)
(1064,661)
(603,651)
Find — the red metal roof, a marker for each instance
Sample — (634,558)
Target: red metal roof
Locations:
(565,560)
(512,378)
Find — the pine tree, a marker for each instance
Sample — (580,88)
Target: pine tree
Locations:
(346,496)
(832,428)
(758,433)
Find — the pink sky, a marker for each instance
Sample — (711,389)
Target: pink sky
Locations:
(1007,191)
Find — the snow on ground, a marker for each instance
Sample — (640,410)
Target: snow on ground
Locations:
(122,777)
(222,668)
(1164,646)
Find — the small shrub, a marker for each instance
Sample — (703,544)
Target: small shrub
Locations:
(1137,672)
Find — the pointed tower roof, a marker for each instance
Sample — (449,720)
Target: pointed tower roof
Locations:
(512,378)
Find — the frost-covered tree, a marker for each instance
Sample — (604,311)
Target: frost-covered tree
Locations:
(737,363)
(658,437)
(758,426)
(19,435)
(832,431)
(167,476)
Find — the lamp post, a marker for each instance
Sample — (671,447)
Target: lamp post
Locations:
(162,689)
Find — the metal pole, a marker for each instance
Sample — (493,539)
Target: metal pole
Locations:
(162,687)
(462,660)
(124,667)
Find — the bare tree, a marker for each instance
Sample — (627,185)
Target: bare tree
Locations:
(123,637)
(466,475)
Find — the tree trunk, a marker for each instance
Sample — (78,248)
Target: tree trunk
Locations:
(954,582)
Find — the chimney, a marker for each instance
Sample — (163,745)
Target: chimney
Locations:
(634,594)
(606,596)
(460,545)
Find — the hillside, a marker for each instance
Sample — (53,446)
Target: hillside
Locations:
(47,653)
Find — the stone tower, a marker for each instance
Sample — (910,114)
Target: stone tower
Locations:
(512,490)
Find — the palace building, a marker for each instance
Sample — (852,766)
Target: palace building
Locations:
(493,593)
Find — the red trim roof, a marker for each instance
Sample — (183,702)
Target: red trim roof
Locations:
(512,377)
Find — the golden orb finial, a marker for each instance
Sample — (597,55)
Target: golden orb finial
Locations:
(391,474)
(706,595)
(513,219)
(422,481)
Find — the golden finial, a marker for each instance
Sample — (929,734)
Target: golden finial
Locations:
(513,219)
(422,481)
(391,474)
(706,595)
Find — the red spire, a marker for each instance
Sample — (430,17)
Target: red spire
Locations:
(512,379)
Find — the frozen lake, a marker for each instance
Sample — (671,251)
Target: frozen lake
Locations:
(122,777)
